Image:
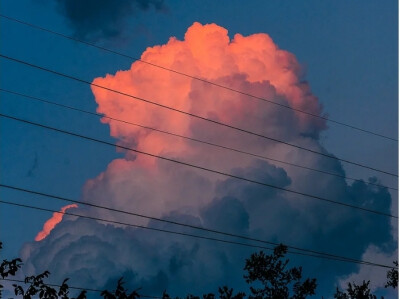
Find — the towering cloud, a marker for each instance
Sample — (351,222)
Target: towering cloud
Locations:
(96,253)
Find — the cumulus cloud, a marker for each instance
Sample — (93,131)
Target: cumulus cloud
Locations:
(96,19)
(96,254)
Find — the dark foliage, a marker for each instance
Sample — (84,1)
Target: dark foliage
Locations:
(275,280)
(355,292)
(120,292)
(37,287)
(268,276)
(227,293)
(8,268)
(393,276)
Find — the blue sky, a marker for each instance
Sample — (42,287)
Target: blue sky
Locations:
(348,50)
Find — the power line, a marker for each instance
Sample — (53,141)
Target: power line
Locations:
(74,288)
(192,139)
(252,97)
(197,78)
(198,167)
(194,115)
(190,235)
(210,230)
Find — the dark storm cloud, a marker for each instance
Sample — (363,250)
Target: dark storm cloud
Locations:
(301,220)
(228,214)
(96,19)
(260,171)
(98,254)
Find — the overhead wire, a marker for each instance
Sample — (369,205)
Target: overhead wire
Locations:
(210,230)
(196,78)
(191,138)
(191,235)
(198,167)
(195,115)
(259,135)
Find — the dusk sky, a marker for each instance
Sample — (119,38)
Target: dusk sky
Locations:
(334,59)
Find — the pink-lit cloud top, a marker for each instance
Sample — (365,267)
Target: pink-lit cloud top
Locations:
(254,64)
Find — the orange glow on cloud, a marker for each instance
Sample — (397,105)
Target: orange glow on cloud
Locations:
(52,222)
(254,64)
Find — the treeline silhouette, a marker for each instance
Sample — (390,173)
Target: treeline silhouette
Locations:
(268,277)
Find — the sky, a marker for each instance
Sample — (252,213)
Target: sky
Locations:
(337,59)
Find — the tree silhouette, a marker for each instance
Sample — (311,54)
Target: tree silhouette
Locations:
(363,291)
(227,293)
(38,287)
(356,292)
(120,292)
(393,276)
(8,268)
(268,276)
(270,272)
